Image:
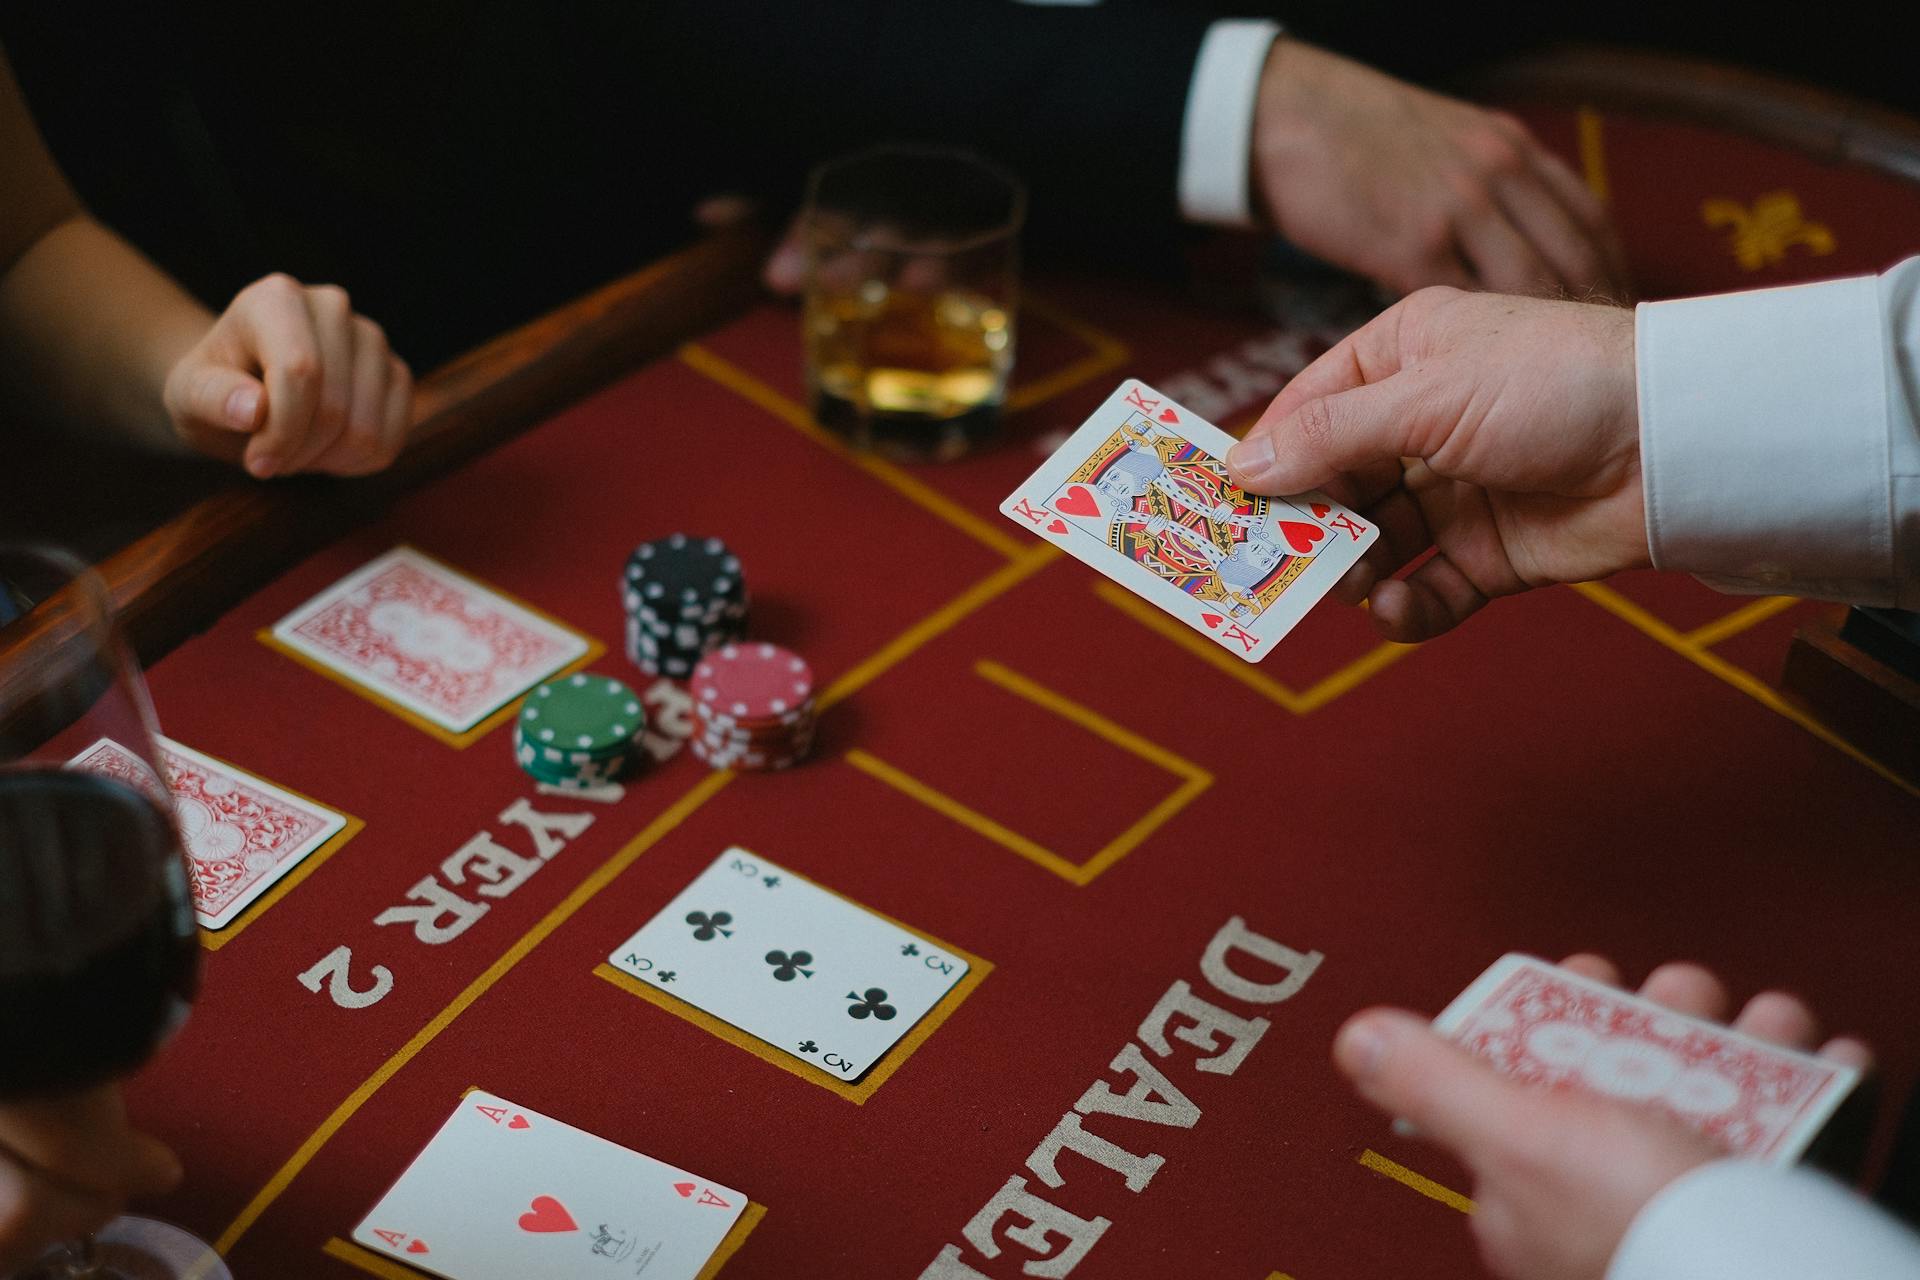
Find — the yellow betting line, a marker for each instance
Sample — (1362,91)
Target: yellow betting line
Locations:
(1739,620)
(1029,561)
(1593,152)
(972,819)
(1108,353)
(1299,702)
(1419,1182)
(1740,678)
(748,387)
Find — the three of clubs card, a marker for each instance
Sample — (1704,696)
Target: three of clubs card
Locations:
(1141,493)
(505,1193)
(782,959)
(1542,1024)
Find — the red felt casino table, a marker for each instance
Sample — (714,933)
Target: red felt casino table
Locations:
(1118,823)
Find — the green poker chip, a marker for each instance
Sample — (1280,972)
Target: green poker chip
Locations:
(582,713)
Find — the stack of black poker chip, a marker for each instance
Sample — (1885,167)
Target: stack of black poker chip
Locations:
(685,597)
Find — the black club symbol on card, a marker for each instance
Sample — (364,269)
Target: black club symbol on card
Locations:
(808,1046)
(772,882)
(708,927)
(909,950)
(785,965)
(873,1004)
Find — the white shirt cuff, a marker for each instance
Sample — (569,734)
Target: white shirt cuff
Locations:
(1764,440)
(1216,134)
(1740,1220)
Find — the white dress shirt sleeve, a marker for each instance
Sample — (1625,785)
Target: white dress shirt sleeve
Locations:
(1216,133)
(1740,1220)
(1780,438)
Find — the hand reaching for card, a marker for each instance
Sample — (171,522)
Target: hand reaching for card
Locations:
(1558,1175)
(291,379)
(1501,432)
(67,1165)
(1410,188)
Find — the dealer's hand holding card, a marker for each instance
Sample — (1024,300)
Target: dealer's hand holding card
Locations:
(1572,1103)
(1141,493)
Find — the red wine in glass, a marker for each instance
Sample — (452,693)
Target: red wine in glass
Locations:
(98,951)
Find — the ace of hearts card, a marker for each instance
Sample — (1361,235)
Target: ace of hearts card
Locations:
(1141,493)
(503,1192)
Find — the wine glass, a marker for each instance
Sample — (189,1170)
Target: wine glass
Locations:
(99,954)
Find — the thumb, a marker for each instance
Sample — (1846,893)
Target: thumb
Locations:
(206,393)
(1324,437)
(1405,1068)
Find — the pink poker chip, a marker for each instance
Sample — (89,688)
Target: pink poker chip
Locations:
(752,681)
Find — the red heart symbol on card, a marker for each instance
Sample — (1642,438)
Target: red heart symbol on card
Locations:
(684,1188)
(1058,526)
(1319,509)
(1168,415)
(1301,536)
(1078,501)
(547,1214)
(1212,619)
(518,1122)
(418,1246)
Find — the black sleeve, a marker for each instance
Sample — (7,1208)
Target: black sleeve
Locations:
(1084,102)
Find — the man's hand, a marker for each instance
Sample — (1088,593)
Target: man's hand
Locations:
(1409,188)
(291,366)
(67,1165)
(1557,1177)
(1501,432)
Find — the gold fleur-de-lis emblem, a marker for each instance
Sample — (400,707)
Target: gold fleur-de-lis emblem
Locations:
(1763,234)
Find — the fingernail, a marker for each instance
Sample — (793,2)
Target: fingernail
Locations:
(1361,1047)
(1252,458)
(242,405)
(261,467)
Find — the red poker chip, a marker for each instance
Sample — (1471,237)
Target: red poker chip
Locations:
(752,682)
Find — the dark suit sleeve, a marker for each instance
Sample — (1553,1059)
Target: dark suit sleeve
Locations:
(1084,102)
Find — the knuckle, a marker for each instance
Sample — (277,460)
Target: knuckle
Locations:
(1509,124)
(1316,427)
(277,285)
(330,298)
(302,368)
(1496,150)
(1469,195)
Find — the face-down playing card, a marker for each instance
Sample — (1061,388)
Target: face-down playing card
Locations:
(418,634)
(503,1192)
(1141,493)
(1542,1024)
(782,959)
(241,833)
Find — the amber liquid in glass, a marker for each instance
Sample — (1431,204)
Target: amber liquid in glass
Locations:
(912,375)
